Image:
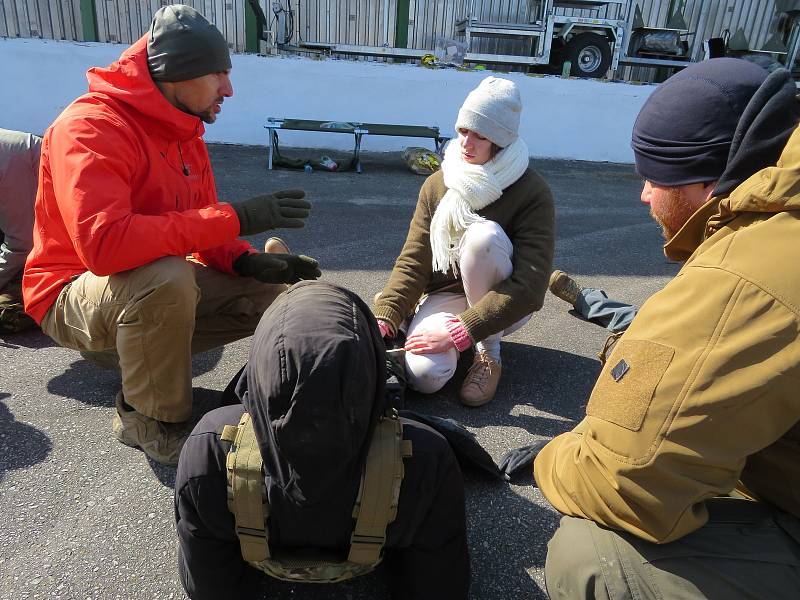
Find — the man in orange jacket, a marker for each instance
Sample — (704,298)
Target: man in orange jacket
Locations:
(126,193)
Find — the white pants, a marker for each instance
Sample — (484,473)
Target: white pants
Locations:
(484,261)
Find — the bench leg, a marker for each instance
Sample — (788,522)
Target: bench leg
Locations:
(357,152)
(271,145)
(440,142)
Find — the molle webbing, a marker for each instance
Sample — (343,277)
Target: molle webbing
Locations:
(375,507)
(376,504)
(245,491)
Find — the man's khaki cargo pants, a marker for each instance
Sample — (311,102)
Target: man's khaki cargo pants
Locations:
(154,318)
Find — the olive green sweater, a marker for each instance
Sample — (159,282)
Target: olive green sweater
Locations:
(525,212)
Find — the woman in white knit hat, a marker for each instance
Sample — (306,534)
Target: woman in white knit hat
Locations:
(479,250)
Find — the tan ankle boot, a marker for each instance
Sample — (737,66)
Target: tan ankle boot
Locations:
(565,287)
(276,245)
(160,441)
(481,381)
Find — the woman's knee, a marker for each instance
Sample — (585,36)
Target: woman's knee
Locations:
(484,237)
(428,373)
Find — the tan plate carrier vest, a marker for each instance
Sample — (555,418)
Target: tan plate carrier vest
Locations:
(374,509)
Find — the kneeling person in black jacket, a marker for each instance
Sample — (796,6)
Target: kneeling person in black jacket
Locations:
(313,392)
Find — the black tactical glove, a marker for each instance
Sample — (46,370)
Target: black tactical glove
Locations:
(520,461)
(277,268)
(285,208)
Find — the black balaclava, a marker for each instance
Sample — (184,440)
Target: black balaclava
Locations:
(183,45)
(719,120)
(314,386)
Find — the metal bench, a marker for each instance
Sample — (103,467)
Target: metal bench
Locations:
(358,130)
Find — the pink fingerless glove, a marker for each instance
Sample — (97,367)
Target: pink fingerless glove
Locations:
(458,334)
(386,329)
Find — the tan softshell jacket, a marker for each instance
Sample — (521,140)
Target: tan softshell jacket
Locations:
(703,390)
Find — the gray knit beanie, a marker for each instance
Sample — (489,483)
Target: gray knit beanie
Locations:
(492,110)
(183,45)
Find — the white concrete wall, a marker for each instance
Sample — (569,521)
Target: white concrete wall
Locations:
(572,119)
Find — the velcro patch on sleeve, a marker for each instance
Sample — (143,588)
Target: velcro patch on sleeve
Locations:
(626,384)
(618,372)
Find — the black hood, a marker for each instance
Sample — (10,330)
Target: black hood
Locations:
(762,132)
(314,387)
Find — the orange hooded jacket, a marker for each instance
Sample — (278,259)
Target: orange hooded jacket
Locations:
(124,179)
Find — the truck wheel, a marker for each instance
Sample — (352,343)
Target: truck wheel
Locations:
(589,54)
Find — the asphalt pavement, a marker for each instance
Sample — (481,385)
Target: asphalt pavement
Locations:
(84,517)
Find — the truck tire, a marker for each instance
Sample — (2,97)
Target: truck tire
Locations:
(590,55)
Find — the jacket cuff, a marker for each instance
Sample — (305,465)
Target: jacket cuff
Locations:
(458,334)
(473,324)
(388,314)
(240,264)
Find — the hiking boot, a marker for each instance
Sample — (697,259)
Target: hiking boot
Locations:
(276,245)
(481,381)
(12,313)
(13,319)
(565,287)
(160,441)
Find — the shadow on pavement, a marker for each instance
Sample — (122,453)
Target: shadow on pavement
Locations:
(33,338)
(525,529)
(21,445)
(86,382)
(205,361)
(164,474)
(553,382)
(203,401)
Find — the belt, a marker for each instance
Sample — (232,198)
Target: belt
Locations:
(735,510)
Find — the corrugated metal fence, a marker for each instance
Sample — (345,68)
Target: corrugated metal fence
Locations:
(122,21)
(52,20)
(363,22)
(125,21)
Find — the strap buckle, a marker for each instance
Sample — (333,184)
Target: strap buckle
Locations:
(250,532)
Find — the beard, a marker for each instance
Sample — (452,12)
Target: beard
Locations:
(207,115)
(673,212)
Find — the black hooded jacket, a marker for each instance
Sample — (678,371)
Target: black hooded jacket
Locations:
(314,387)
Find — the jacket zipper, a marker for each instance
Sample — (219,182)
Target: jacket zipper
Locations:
(185,169)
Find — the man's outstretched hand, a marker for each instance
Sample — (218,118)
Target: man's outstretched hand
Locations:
(282,209)
(277,268)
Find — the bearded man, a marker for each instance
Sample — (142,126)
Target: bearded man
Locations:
(126,194)
(683,479)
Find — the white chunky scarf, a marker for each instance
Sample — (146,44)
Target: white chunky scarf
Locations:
(470,188)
